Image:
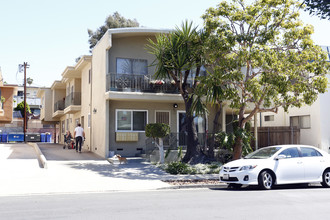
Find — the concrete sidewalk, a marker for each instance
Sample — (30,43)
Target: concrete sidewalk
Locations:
(71,172)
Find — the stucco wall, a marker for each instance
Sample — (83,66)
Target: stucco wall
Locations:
(130,148)
(130,47)
(85,103)
(99,69)
(6,114)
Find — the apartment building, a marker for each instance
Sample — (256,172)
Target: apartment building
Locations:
(114,94)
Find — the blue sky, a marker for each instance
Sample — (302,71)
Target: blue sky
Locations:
(50,35)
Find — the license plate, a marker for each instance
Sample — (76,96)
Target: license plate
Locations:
(225,176)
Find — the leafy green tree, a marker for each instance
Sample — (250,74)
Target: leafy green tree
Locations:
(158,131)
(179,56)
(20,107)
(320,8)
(265,56)
(113,21)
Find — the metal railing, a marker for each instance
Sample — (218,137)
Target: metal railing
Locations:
(175,140)
(73,99)
(139,83)
(59,105)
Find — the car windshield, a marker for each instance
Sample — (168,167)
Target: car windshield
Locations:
(263,153)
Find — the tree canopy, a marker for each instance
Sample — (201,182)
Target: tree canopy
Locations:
(265,56)
(320,8)
(112,21)
(20,107)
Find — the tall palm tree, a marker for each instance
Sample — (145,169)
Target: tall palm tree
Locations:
(178,55)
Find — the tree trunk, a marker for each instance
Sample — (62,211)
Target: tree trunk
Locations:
(193,150)
(215,130)
(238,148)
(161,151)
(238,141)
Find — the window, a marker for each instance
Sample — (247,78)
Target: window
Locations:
(89,76)
(309,152)
(301,122)
(131,120)
(290,152)
(163,117)
(89,120)
(132,66)
(269,117)
(20,93)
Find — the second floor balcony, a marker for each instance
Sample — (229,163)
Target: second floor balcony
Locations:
(139,83)
(58,109)
(72,103)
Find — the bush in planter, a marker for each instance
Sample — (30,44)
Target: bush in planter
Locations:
(158,130)
(178,167)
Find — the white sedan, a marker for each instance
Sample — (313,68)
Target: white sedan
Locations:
(282,164)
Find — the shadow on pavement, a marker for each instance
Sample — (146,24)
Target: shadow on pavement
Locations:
(279,187)
(128,171)
(57,153)
(134,169)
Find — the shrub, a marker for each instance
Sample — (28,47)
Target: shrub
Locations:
(178,168)
(157,130)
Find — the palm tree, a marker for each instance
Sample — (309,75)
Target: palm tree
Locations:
(179,54)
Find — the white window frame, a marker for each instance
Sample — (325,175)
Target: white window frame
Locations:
(131,110)
(169,115)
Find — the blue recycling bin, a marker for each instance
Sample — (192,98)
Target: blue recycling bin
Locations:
(48,137)
(4,137)
(42,137)
(17,137)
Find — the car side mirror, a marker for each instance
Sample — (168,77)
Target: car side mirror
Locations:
(279,157)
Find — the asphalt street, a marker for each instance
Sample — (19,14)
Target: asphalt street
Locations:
(298,203)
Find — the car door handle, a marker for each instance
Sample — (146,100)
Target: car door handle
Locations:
(322,161)
(299,162)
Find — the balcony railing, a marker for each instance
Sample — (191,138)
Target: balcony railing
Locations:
(73,99)
(59,105)
(139,83)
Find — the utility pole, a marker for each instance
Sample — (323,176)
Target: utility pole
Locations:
(26,65)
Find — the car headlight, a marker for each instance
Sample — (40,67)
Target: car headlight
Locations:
(221,168)
(248,167)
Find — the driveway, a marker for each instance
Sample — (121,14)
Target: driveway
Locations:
(70,172)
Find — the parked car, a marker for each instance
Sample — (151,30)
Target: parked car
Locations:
(275,165)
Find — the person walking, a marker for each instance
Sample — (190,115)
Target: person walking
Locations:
(79,134)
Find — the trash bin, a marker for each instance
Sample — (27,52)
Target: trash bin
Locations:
(48,138)
(32,137)
(43,137)
(17,137)
(4,137)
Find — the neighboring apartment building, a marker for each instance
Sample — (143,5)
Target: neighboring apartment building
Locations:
(313,121)
(7,93)
(113,94)
(67,102)
(31,99)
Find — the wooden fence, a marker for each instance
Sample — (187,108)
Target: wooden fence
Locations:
(268,136)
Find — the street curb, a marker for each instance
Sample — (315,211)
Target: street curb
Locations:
(196,186)
(42,159)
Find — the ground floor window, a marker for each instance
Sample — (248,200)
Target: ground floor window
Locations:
(131,120)
(301,122)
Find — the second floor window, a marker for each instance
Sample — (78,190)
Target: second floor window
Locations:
(132,66)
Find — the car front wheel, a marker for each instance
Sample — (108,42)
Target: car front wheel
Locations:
(265,180)
(326,178)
